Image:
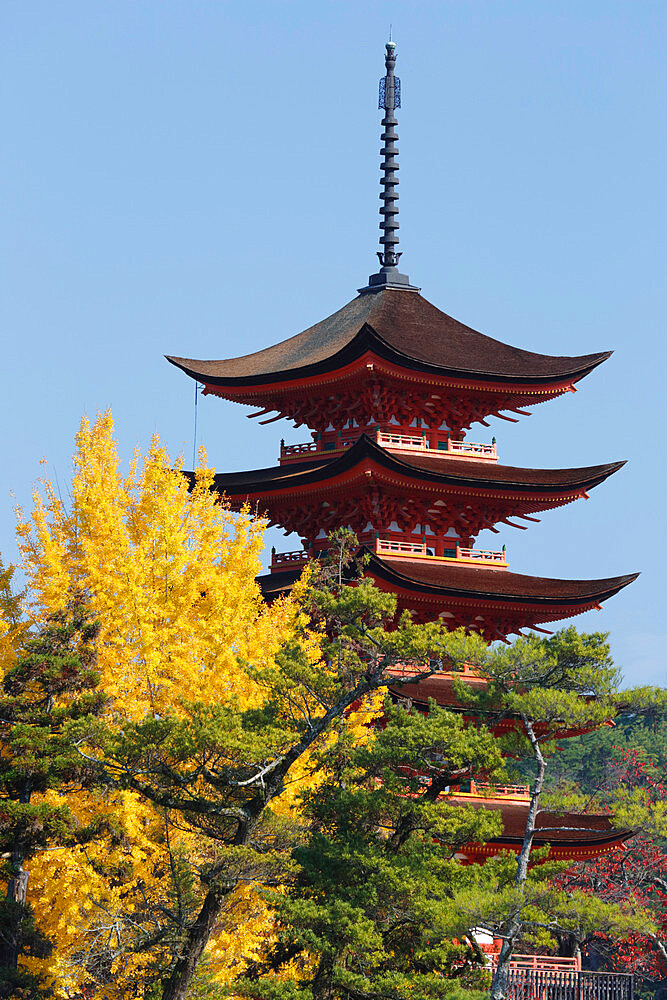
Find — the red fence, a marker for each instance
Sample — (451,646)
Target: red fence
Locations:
(549,984)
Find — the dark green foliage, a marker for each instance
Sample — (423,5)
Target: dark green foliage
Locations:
(368,912)
(590,760)
(19,934)
(52,682)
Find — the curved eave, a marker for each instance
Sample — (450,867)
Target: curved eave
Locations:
(610,839)
(440,688)
(447,580)
(564,830)
(560,848)
(420,467)
(275,585)
(401,327)
(499,588)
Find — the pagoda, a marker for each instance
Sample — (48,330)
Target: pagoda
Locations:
(389,386)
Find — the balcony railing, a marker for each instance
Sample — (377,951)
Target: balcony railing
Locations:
(440,669)
(489,790)
(395,442)
(485,557)
(387,546)
(482,555)
(414,442)
(552,984)
(288,452)
(408,442)
(546,963)
(472,449)
(292,450)
(285,560)
(392,547)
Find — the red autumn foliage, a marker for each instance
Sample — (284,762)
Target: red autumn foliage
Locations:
(638,870)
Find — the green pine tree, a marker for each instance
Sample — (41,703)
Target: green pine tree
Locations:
(51,682)
(217,769)
(368,912)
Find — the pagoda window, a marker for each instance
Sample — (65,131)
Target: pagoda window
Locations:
(393,526)
(322,534)
(329,445)
(368,527)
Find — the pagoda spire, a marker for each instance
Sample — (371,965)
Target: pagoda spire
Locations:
(390,100)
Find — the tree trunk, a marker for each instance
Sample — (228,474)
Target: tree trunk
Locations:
(11,938)
(501,975)
(196,941)
(322,983)
(568,946)
(17,892)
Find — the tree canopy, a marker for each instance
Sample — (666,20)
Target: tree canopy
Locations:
(213,794)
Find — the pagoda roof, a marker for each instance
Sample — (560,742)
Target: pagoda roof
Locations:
(567,833)
(446,578)
(443,687)
(459,472)
(400,326)
(445,582)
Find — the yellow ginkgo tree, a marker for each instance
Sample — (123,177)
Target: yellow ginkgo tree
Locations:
(168,574)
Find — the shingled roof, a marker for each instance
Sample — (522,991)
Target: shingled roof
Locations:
(460,472)
(570,828)
(401,326)
(443,578)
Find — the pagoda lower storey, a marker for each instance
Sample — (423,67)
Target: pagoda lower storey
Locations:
(570,837)
(491,601)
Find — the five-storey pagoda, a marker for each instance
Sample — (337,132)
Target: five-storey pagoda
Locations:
(389,385)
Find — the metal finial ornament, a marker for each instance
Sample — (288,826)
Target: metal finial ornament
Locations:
(389,101)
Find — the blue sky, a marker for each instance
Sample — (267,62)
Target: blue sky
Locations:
(201,178)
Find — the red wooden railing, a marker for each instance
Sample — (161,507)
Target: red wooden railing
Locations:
(391,546)
(441,669)
(551,963)
(397,442)
(396,547)
(486,788)
(552,984)
(280,559)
